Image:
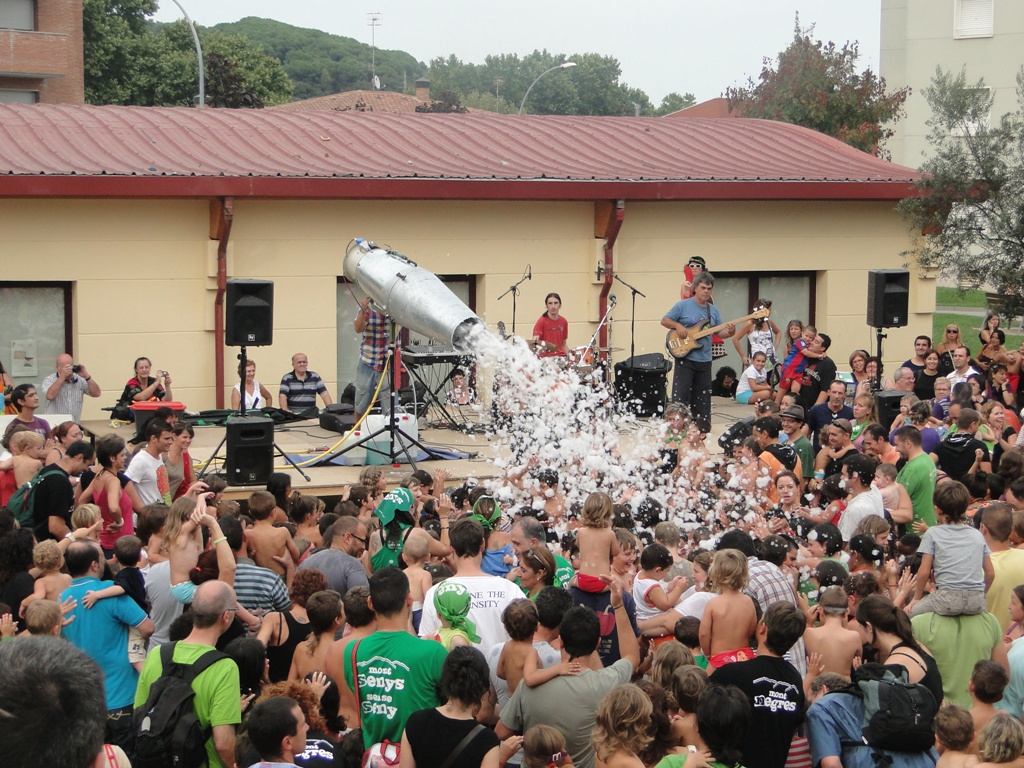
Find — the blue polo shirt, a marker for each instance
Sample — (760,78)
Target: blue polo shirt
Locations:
(102,632)
(689,313)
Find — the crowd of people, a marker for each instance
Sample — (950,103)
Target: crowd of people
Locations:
(687,608)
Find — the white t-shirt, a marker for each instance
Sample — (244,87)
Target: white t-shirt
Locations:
(148,474)
(743,385)
(491,595)
(694,603)
(862,505)
(641,588)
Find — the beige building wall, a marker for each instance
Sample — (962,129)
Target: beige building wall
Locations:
(918,35)
(143,271)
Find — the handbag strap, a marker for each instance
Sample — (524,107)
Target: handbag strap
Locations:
(461,746)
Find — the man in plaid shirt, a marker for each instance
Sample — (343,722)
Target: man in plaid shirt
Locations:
(372,354)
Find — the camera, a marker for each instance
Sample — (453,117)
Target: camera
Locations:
(76,368)
(163,373)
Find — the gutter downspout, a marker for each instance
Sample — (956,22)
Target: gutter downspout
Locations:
(611,234)
(225,216)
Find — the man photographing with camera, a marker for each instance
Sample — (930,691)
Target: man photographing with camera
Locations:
(66,388)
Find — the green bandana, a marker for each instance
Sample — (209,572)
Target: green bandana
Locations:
(452,601)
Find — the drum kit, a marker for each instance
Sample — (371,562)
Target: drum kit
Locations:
(581,360)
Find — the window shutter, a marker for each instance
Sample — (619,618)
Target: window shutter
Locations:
(973,18)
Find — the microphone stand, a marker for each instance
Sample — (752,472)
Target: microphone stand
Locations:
(632,320)
(514,290)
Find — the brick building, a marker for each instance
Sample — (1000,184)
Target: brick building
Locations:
(41,52)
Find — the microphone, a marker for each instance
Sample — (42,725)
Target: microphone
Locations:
(529,272)
(613,300)
(600,270)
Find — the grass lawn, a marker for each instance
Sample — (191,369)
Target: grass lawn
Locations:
(951,297)
(969,326)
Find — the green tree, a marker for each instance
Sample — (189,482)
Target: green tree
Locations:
(114,34)
(131,61)
(966,213)
(817,85)
(673,102)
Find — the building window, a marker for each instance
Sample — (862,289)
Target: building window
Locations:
(14,96)
(972,18)
(18,14)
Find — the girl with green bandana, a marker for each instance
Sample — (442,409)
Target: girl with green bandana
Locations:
(452,601)
(498,559)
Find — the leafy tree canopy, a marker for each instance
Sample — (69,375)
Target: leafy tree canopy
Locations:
(592,87)
(131,61)
(817,85)
(319,63)
(967,213)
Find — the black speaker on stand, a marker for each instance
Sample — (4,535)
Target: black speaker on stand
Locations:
(888,306)
(249,313)
(250,444)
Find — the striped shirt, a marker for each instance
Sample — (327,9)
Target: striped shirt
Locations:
(260,590)
(69,397)
(301,393)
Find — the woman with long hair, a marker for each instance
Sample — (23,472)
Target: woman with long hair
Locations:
(179,464)
(945,348)
(279,485)
(858,366)
(924,384)
(61,437)
(305,511)
(888,631)
(142,387)
(536,570)
(995,432)
(282,632)
(432,735)
(865,412)
(110,496)
(762,336)
(256,395)
(326,616)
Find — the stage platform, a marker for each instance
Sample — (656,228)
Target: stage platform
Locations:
(305,441)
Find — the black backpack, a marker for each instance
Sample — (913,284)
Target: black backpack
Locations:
(899,716)
(167,731)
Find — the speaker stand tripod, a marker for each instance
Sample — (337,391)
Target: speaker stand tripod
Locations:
(243,364)
(399,441)
(876,384)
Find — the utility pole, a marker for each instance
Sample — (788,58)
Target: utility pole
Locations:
(373,19)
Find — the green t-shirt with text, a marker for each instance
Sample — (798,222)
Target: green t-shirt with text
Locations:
(398,674)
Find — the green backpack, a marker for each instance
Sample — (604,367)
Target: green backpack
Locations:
(22,501)
(391,547)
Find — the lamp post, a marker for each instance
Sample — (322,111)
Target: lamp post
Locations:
(199,55)
(566,65)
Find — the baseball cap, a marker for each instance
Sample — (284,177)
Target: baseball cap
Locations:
(793,412)
(867,547)
(399,499)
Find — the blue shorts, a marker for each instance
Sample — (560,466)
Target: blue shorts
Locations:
(744,397)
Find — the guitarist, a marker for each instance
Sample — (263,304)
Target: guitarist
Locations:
(691,384)
(551,331)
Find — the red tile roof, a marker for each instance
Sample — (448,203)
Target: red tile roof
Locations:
(360,101)
(64,150)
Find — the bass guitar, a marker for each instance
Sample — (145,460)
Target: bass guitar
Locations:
(680,346)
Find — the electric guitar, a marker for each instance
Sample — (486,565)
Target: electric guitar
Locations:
(679,346)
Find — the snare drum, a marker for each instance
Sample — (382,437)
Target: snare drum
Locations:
(582,360)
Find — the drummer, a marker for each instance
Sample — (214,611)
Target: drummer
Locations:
(551,330)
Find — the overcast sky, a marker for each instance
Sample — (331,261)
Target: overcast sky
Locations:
(662,45)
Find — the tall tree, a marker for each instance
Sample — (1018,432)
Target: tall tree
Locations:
(128,60)
(673,102)
(967,214)
(817,85)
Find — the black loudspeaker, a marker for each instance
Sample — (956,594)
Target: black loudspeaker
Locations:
(249,313)
(640,383)
(888,404)
(250,441)
(888,298)
(338,417)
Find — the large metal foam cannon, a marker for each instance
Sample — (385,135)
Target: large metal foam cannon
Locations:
(410,294)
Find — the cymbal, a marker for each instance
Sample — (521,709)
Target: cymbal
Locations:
(610,349)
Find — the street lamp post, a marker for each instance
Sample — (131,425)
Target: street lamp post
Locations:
(566,65)
(199,55)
